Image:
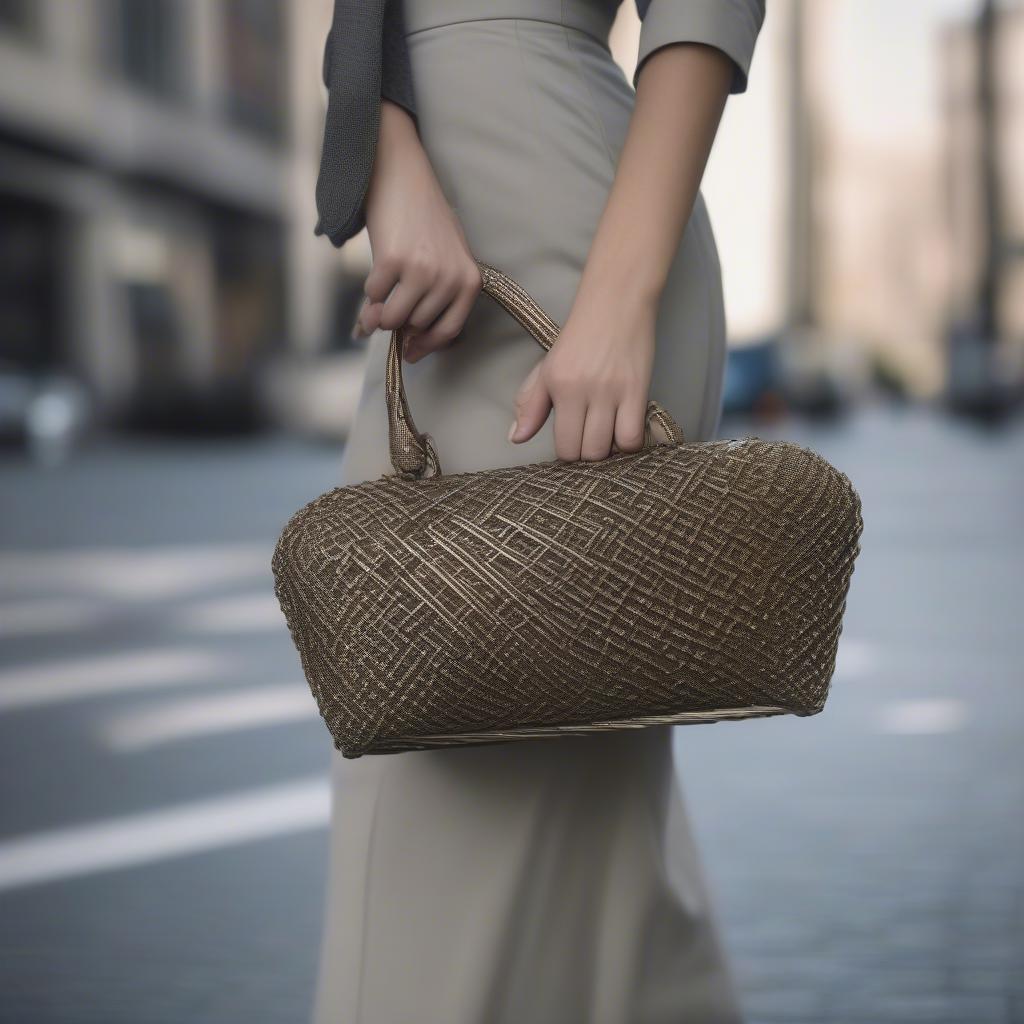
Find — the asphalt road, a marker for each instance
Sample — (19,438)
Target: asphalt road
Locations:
(163,793)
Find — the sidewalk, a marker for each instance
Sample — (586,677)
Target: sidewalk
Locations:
(870,861)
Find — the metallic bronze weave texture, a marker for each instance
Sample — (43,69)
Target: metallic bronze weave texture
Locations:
(686,582)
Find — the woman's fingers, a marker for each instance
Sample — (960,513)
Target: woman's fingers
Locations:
(445,327)
(533,404)
(368,319)
(394,287)
(423,316)
(439,335)
(630,421)
(589,423)
(383,276)
(430,300)
(596,377)
(432,305)
(598,431)
(407,294)
(570,416)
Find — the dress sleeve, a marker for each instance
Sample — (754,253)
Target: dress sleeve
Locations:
(731,26)
(365,59)
(396,81)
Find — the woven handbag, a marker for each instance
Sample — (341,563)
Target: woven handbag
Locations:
(685,582)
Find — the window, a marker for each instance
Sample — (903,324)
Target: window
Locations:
(19,16)
(147,43)
(29,294)
(255,80)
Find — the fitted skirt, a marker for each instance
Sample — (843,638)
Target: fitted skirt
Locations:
(547,881)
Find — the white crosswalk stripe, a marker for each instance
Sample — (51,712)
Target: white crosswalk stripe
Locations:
(170,721)
(189,828)
(146,573)
(855,659)
(48,615)
(243,613)
(77,678)
(923,717)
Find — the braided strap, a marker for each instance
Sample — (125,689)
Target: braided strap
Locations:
(413,455)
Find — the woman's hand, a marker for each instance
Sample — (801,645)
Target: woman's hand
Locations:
(424,276)
(596,377)
(598,372)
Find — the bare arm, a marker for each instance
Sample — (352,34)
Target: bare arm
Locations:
(597,374)
(423,275)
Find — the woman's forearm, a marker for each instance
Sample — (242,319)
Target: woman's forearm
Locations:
(680,96)
(597,374)
(424,277)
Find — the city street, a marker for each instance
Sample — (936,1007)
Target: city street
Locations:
(163,769)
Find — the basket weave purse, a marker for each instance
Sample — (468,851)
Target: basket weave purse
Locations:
(681,583)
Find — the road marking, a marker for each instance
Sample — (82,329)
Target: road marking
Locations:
(244,613)
(168,721)
(855,659)
(923,717)
(189,828)
(150,572)
(76,678)
(29,618)
(255,612)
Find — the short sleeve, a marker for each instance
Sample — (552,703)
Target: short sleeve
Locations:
(731,26)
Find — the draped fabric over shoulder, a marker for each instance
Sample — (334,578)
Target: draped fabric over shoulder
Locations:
(366,59)
(550,881)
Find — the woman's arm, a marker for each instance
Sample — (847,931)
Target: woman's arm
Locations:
(597,374)
(424,275)
(375,174)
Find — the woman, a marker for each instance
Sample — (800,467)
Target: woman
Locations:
(549,881)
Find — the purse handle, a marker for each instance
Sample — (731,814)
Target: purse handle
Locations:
(413,455)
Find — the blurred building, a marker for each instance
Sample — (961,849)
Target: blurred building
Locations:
(867,192)
(984,107)
(157,163)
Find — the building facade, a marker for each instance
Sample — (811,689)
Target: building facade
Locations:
(157,166)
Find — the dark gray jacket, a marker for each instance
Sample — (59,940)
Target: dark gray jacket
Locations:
(366,59)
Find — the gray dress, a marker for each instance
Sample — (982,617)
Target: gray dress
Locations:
(548,881)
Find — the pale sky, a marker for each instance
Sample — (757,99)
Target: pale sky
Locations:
(882,63)
(879,68)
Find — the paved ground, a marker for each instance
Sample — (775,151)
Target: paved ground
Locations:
(162,769)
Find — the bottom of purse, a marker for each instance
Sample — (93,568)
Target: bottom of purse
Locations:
(472,739)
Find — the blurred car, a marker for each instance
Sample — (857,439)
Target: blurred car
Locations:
(45,414)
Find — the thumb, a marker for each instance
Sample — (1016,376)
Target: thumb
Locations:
(533,403)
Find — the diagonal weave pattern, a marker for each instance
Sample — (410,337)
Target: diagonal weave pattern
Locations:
(684,582)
